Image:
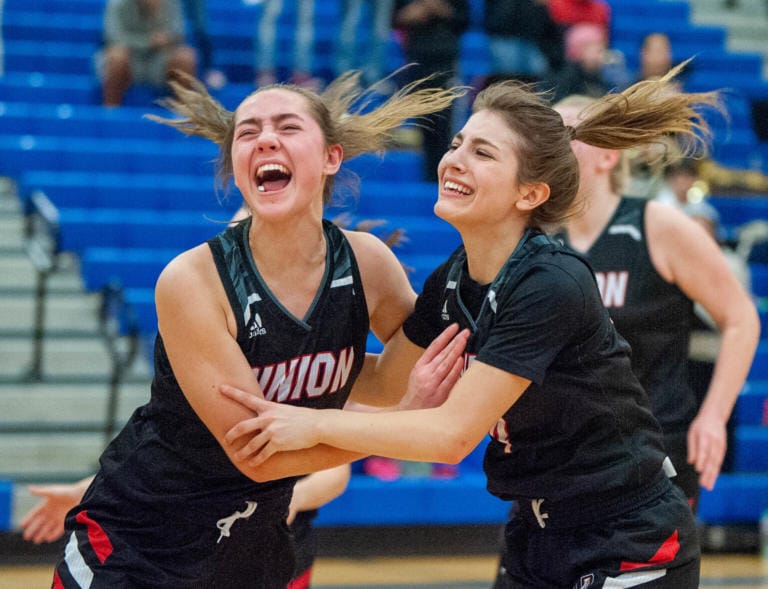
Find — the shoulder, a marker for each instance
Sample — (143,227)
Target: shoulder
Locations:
(189,272)
(369,250)
(557,278)
(667,226)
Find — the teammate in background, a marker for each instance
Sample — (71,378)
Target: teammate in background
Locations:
(280,304)
(653,263)
(573,439)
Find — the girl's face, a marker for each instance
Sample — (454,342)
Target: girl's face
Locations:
(279,156)
(478,175)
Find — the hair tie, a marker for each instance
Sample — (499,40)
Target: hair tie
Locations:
(571,131)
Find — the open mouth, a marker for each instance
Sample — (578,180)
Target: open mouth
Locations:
(272,177)
(456,188)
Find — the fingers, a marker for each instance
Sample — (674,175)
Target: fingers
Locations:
(253,446)
(440,342)
(41,490)
(263,455)
(242,428)
(706,453)
(30,519)
(247,400)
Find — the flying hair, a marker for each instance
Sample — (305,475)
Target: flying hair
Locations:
(345,112)
(647,112)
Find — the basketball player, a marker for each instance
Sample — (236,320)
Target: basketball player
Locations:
(281,305)
(653,263)
(574,442)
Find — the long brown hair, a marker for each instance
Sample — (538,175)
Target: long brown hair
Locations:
(646,112)
(343,112)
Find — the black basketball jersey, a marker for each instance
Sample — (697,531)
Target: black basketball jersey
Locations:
(583,426)
(167,490)
(653,315)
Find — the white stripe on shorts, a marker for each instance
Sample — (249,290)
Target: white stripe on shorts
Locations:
(77,566)
(633,579)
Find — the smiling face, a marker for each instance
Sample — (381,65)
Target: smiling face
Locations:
(280,158)
(479,174)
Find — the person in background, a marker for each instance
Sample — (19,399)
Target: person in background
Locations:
(523,40)
(265,44)
(432,31)
(653,263)
(143,44)
(573,440)
(572,12)
(196,12)
(583,73)
(371,55)
(656,57)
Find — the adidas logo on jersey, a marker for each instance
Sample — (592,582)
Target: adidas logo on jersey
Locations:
(256,328)
(445,315)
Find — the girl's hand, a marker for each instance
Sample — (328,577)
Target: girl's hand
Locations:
(438,369)
(45,521)
(277,427)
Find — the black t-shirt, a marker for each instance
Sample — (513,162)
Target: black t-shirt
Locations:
(583,426)
(654,316)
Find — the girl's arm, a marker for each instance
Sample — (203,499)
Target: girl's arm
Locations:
(318,488)
(686,255)
(441,434)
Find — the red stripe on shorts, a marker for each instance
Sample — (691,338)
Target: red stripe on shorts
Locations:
(100,543)
(302,581)
(665,554)
(57,584)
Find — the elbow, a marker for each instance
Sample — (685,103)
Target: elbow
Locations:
(262,474)
(455,450)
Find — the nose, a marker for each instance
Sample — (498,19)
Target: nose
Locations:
(267,141)
(452,158)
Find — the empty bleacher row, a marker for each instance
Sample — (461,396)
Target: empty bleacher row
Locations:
(130,194)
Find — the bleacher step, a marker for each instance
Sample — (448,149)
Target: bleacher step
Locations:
(745,23)
(65,358)
(67,402)
(75,312)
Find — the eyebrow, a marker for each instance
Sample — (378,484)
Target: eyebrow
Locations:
(276,119)
(477,141)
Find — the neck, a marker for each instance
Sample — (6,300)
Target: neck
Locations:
(488,250)
(599,204)
(280,247)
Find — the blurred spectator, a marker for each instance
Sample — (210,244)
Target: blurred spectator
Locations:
(196,12)
(372,62)
(524,41)
(585,52)
(572,12)
(431,31)
(265,43)
(656,59)
(143,44)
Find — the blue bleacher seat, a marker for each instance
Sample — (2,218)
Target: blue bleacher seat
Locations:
(759,274)
(736,498)
(752,404)
(35,152)
(156,192)
(6,504)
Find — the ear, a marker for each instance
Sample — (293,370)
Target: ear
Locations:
(334,157)
(609,159)
(532,195)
